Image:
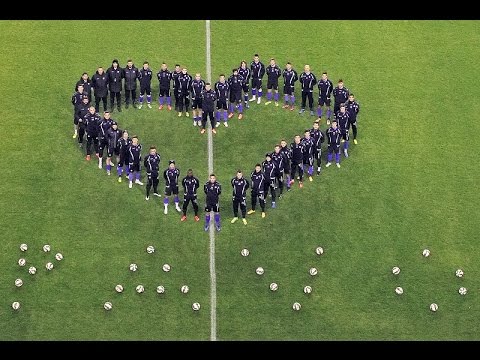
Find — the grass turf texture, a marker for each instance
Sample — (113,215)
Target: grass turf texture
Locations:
(409,184)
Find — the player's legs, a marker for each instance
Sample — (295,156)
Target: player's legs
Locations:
(149,186)
(186,200)
(304,102)
(235,204)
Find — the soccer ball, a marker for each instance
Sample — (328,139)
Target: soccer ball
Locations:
(313,271)
(260,270)
(319,250)
(133,267)
(196,306)
(184,289)
(296,306)
(23,247)
(433,307)
(160,289)
(46,248)
(140,289)
(58,256)
(150,249)
(244,252)
(396,270)
(399,290)
(119,288)
(49,266)
(15,305)
(166,267)
(107,305)
(22,262)
(274,286)
(307,289)
(462,291)
(18,282)
(459,273)
(426,253)
(32,270)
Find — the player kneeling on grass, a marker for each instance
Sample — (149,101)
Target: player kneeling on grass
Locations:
(258,189)
(171,175)
(152,164)
(239,196)
(212,190)
(190,185)
(113,136)
(134,159)
(333,140)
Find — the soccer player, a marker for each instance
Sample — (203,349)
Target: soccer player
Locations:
(152,165)
(325,88)
(103,127)
(176,85)
(113,136)
(318,138)
(353,108)
(145,79)
(333,140)
(278,158)
(287,155)
(81,110)
(171,175)
(209,96)
(308,80)
(212,190)
(240,186)
(130,74)
(257,71)
(258,189)
(115,76)
(269,170)
(298,150)
(308,154)
(197,86)
(244,72)
(92,122)
(340,94)
(100,88)
(290,76)
(134,159)
(184,80)
(273,73)
(123,145)
(76,102)
(221,88)
(343,121)
(87,85)
(190,185)
(235,83)
(164,77)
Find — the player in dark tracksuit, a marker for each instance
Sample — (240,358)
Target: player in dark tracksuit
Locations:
(176,85)
(340,94)
(145,79)
(77,98)
(333,136)
(298,150)
(130,74)
(343,122)
(269,170)
(258,189)
(134,160)
(209,96)
(80,111)
(245,72)
(103,127)
(290,76)
(308,154)
(222,89)
(308,81)
(353,108)
(171,175)
(100,88)
(273,73)
(87,85)
(92,121)
(196,87)
(212,190)
(190,186)
(115,76)
(164,77)
(184,81)
(123,144)
(152,166)
(235,83)
(318,138)
(240,185)
(113,135)
(325,88)
(257,71)
(278,158)
(287,154)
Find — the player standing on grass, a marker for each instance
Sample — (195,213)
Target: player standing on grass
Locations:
(257,71)
(123,145)
(190,185)
(87,85)
(209,96)
(100,88)
(235,82)
(244,72)
(103,127)
(325,88)
(273,73)
(290,76)
(318,139)
(81,111)
(145,79)
(77,99)
(333,140)
(343,121)
(278,158)
(298,150)
(212,190)
(308,80)
(115,76)
(197,86)
(92,122)
(152,166)
(184,81)
(240,186)
(164,77)
(287,155)
(309,146)
(113,136)
(130,74)
(340,94)
(171,175)
(176,85)
(258,189)
(353,108)
(134,159)
(269,170)
(221,88)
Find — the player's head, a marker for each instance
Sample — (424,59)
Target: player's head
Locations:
(115,63)
(91,109)
(100,70)
(324,75)
(85,76)
(239,174)
(342,107)
(106,114)
(277,148)
(272,62)
(114,125)
(125,134)
(351,97)
(307,134)
(129,63)
(288,66)
(235,71)
(268,156)
(316,125)
(243,64)
(184,70)
(212,178)
(85,99)
(306,68)
(340,84)
(171,164)
(256,58)
(80,88)
(283,143)
(333,124)
(222,78)
(297,139)
(258,167)
(153,150)
(198,76)
(145,65)
(190,172)
(177,68)
(134,140)
(208,86)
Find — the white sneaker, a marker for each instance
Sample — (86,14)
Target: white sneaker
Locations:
(259,100)
(130,184)
(217,124)
(178,208)
(254,97)
(147,198)
(345,153)
(140,106)
(157,194)
(328,164)
(226,124)
(194,122)
(149,106)
(109,173)
(165,210)
(338,165)
(99,165)
(138,182)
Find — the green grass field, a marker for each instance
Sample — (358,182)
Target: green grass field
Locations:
(409,184)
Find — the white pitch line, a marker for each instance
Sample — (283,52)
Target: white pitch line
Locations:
(213,276)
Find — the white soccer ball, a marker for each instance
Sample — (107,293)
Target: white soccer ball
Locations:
(396,270)
(107,305)
(150,249)
(459,273)
(319,250)
(49,266)
(426,253)
(18,282)
(196,306)
(259,270)
(160,289)
(274,286)
(399,290)
(32,270)
(307,289)
(166,267)
(23,247)
(15,305)
(22,262)
(296,306)
(46,248)
(244,252)
(59,256)
(119,288)
(462,291)
(139,289)
(313,271)
(184,289)
(433,307)
(133,267)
